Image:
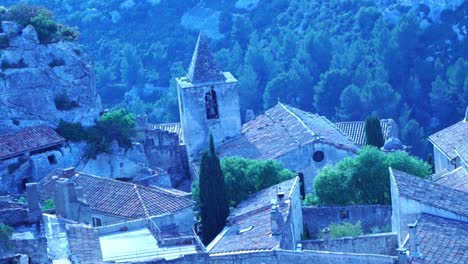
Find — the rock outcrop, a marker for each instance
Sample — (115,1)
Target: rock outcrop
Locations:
(42,84)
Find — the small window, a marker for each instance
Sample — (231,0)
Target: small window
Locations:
(97,221)
(301,181)
(344,214)
(318,156)
(211,104)
(121,164)
(52,160)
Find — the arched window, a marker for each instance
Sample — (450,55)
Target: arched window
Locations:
(211,104)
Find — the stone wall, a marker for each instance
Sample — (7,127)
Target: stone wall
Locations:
(281,257)
(195,125)
(293,227)
(163,151)
(371,216)
(381,244)
(301,161)
(33,245)
(84,244)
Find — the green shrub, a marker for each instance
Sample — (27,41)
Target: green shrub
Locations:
(68,33)
(22,200)
(48,204)
(6,232)
(63,102)
(45,25)
(311,199)
(116,125)
(71,131)
(42,19)
(346,230)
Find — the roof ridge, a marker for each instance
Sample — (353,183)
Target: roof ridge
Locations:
(299,119)
(143,205)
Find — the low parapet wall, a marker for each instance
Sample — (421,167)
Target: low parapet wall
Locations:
(382,244)
(281,257)
(370,216)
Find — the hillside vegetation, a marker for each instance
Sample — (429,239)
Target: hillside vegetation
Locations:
(342,59)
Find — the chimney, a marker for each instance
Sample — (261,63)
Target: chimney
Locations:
(466,115)
(413,245)
(34,209)
(402,256)
(280,196)
(276,220)
(249,115)
(67,173)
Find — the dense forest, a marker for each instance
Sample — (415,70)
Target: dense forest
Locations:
(341,59)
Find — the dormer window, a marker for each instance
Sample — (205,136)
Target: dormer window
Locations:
(211,104)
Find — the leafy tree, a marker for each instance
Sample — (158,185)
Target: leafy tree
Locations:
(214,207)
(364,179)
(244,177)
(327,91)
(373,130)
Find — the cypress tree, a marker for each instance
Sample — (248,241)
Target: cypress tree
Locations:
(214,207)
(374,136)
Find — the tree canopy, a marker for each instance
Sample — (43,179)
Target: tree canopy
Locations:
(364,179)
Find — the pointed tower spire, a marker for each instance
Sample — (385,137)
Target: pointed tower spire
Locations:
(203,67)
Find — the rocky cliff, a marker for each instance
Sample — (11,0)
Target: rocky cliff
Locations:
(42,84)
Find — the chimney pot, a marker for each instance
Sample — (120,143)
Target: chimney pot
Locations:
(402,256)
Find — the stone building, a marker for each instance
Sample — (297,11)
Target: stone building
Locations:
(302,141)
(28,155)
(208,101)
(447,144)
(431,220)
(260,224)
(102,201)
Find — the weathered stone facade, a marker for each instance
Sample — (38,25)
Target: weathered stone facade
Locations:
(208,102)
(370,216)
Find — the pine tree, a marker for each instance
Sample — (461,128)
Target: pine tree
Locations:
(373,131)
(214,205)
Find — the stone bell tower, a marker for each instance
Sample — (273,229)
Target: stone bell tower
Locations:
(208,102)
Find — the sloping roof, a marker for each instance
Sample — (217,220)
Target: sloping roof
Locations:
(447,139)
(253,215)
(441,240)
(28,139)
(122,199)
(457,179)
(203,67)
(355,130)
(282,129)
(430,193)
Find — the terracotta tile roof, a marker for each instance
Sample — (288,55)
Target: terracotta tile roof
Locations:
(171,128)
(122,199)
(28,139)
(355,130)
(446,140)
(441,240)
(253,215)
(457,179)
(462,151)
(430,193)
(282,129)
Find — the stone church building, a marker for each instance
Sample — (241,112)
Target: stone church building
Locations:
(209,104)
